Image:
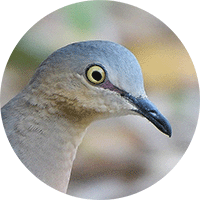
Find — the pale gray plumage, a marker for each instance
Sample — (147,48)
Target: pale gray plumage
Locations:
(45,123)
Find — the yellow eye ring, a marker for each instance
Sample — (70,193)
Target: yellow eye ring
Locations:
(96,74)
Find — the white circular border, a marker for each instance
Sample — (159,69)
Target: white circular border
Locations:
(17,17)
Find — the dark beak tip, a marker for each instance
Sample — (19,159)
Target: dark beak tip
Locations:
(149,111)
(160,122)
(155,117)
(168,131)
(163,125)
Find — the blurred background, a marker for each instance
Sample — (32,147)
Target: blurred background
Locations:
(120,156)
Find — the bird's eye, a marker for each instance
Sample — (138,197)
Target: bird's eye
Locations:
(96,74)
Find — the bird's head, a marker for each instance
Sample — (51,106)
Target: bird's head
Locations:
(97,78)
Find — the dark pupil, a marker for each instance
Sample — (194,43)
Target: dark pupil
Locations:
(96,75)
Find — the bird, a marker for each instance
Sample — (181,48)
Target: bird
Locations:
(76,85)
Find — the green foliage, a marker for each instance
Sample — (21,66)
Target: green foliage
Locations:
(82,16)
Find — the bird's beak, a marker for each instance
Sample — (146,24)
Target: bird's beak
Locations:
(146,108)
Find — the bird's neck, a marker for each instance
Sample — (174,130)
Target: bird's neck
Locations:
(56,154)
(48,131)
(47,146)
(55,150)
